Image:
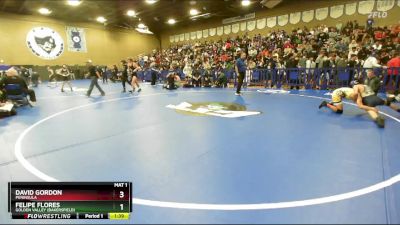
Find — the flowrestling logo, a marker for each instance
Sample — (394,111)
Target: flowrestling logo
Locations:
(220,109)
(45,43)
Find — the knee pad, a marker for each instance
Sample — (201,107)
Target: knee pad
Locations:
(339,111)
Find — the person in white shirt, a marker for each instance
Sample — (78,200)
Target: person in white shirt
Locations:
(371,62)
(352,51)
(377,45)
(187,70)
(353,44)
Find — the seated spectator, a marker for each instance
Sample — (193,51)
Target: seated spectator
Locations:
(353,44)
(13,78)
(222,80)
(196,77)
(207,80)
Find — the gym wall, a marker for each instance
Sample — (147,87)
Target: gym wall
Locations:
(105,46)
(281,9)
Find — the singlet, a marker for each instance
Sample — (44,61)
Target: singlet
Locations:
(340,93)
(367,91)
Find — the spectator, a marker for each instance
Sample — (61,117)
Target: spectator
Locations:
(13,78)
(393,71)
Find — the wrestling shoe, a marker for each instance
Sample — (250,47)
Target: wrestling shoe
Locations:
(237,94)
(380,121)
(31,103)
(323,104)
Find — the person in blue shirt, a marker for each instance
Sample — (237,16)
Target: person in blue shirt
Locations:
(240,68)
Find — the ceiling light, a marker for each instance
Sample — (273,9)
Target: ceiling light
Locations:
(246,2)
(44,11)
(141,26)
(144,31)
(101,19)
(171,21)
(131,13)
(74,2)
(151,1)
(194,12)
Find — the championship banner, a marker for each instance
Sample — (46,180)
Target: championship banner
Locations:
(366,7)
(187,36)
(243,26)
(322,13)
(227,29)
(193,35)
(205,33)
(251,25)
(220,31)
(261,23)
(271,21)
(307,16)
(384,6)
(76,40)
(295,17)
(336,11)
(235,28)
(212,32)
(283,20)
(181,37)
(171,38)
(351,8)
(199,34)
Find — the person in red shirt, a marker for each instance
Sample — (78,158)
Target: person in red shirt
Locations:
(393,68)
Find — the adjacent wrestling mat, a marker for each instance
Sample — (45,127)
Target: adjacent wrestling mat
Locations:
(208,156)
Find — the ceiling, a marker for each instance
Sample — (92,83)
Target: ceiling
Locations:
(154,16)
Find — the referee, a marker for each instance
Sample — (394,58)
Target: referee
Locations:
(94,76)
(240,68)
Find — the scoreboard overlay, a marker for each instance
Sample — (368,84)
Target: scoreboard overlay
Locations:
(70,200)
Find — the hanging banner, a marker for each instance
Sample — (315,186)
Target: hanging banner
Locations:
(199,34)
(176,38)
(235,28)
(271,21)
(336,11)
(283,20)
(181,37)
(220,31)
(45,43)
(227,29)
(366,7)
(384,6)
(171,38)
(76,39)
(213,31)
(351,8)
(398,3)
(251,25)
(243,26)
(193,35)
(261,23)
(307,16)
(205,33)
(321,13)
(295,17)
(187,36)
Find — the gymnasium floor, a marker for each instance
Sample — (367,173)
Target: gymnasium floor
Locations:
(291,163)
